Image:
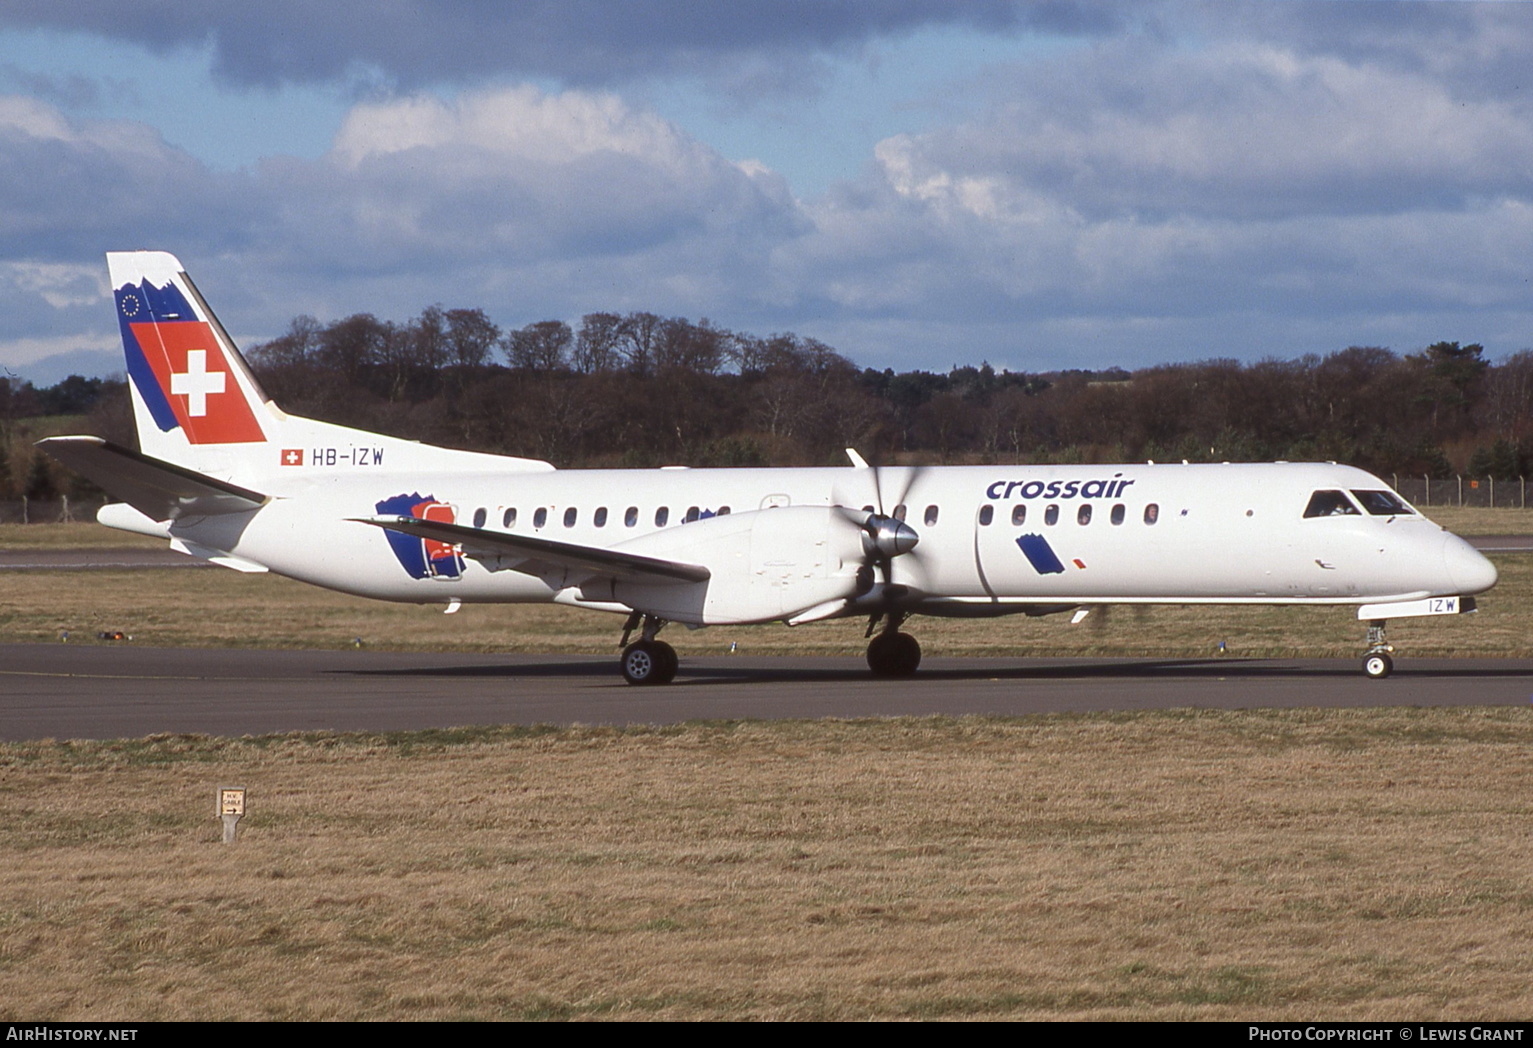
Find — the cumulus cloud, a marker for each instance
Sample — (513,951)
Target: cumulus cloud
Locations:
(516,180)
(1133,182)
(511,199)
(1242,131)
(67,186)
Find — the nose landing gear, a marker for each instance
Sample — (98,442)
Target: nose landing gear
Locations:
(1377,663)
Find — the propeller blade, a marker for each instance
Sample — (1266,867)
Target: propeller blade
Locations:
(884,536)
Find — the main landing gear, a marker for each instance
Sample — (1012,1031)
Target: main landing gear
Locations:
(647,660)
(892,653)
(1377,663)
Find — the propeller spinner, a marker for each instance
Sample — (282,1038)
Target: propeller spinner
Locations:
(884,537)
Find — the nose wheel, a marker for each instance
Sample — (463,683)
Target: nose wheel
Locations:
(1377,663)
(1378,666)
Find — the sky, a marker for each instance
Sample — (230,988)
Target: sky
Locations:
(919,183)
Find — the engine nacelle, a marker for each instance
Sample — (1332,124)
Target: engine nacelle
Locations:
(766,565)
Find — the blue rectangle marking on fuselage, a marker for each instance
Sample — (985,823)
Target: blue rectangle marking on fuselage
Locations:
(1040,555)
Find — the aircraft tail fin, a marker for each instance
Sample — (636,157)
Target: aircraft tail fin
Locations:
(197,404)
(190,386)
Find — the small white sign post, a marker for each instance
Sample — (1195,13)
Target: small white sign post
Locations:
(231,808)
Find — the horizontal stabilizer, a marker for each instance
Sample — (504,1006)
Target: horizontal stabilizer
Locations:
(534,556)
(157,489)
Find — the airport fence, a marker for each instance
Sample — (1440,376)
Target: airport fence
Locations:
(1462,491)
(48,511)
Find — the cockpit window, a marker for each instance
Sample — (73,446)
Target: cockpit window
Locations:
(1382,503)
(1330,504)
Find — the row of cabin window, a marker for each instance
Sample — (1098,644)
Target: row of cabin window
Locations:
(663,515)
(1118,514)
(1050,514)
(598,519)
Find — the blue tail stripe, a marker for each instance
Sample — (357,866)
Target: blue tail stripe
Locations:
(132,300)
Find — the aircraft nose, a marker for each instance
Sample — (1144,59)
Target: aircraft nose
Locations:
(1467,567)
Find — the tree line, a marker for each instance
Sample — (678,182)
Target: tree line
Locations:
(639,389)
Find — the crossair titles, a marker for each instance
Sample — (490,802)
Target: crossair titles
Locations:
(1058,489)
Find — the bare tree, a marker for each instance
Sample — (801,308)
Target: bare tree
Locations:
(471,335)
(544,346)
(598,346)
(640,332)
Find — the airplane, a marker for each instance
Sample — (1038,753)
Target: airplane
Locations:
(224,474)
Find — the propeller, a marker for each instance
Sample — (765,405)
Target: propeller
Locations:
(884,536)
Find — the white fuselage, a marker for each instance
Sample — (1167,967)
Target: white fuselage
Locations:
(992,539)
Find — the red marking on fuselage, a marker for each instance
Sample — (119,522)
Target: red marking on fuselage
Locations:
(442,514)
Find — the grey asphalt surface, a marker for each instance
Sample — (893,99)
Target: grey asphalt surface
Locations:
(95,559)
(96,691)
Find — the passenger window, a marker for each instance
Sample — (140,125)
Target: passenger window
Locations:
(1083,515)
(480,516)
(900,511)
(723,511)
(599,518)
(508,519)
(662,515)
(692,514)
(1330,504)
(1019,513)
(1382,503)
(986,515)
(1051,515)
(569,517)
(931,515)
(1152,513)
(1118,514)
(540,517)
(630,516)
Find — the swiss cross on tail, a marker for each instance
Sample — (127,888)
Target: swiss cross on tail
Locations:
(179,368)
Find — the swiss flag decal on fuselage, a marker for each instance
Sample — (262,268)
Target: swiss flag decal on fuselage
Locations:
(191,371)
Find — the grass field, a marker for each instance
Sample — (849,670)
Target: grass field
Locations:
(1294,864)
(1341,864)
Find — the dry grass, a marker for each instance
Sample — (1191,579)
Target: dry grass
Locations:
(1338,864)
(72,536)
(1478,520)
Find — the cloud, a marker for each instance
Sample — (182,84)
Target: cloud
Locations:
(1183,189)
(67,186)
(1132,180)
(516,180)
(581,42)
(1245,131)
(511,199)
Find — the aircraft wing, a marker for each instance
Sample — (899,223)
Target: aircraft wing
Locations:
(159,490)
(535,556)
